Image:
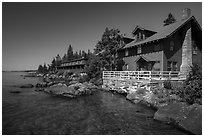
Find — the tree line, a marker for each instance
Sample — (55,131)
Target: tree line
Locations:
(104,56)
(68,56)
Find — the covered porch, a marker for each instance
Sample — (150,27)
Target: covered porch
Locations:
(147,64)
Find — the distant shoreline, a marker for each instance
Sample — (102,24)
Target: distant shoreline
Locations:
(19,70)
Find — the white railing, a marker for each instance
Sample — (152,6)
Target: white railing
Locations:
(141,75)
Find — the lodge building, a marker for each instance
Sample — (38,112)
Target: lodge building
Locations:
(174,48)
(76,65)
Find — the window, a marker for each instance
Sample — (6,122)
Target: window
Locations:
(172,66)
(143,36)
(171,45)
(139,49)
(195,50)
(169,66)
(136,37)
(140,36)
(127,66)
(126,52)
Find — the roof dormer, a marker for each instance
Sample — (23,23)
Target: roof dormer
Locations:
(141,33)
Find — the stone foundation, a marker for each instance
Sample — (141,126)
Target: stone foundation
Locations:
(129,86)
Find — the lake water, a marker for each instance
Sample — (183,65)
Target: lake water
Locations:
(31,112)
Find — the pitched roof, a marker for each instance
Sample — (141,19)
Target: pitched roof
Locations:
(165,32)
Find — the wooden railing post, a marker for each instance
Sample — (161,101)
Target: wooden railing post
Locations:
(150,75)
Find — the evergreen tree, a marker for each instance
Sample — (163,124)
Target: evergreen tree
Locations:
(89,55)
(84,55)
(107,48)
(170,19)
(93,67)
(76,55)
(69,53)
(80,54)
(58,60)
(64,58)
(53,65)
(40,69)
(44,68)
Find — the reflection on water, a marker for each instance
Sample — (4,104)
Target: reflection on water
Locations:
(33,112)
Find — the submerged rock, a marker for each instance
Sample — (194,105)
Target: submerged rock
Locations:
(15,91)
(185,116)
(27,86)
(194,117)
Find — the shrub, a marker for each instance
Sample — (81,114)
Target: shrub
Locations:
(167,84)
(192,92)
(67,74)
(84,78)
(96,81)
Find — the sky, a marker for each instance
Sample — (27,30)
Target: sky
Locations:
(34,33)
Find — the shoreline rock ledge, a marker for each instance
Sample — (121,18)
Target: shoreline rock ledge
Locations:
(184,116)
(72,91)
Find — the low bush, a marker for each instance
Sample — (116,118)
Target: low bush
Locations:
(68,74)
(192,91)
(84,78)
(167,84)
(96,81)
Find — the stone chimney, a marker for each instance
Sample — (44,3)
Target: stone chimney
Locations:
(186,55)
(186,13)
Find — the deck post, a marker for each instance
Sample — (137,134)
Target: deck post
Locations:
(150,75)
(169,74)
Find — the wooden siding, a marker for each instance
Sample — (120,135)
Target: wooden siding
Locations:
(156,56)
(146,48)
(164,54)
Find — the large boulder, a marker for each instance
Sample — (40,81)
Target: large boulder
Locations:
(61,89)
(27,86)
(185,116)
(194,117)
(138,95)
(73,90)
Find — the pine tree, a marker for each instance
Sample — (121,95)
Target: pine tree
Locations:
(64,58)
(69,53)
(53,65)
(58,60)
(44,68)
(84,55)
(89,53)
(107,48)
(80,54)
(40,69)
(76,55)
(170,19)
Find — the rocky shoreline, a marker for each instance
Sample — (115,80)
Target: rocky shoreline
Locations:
(170,108)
